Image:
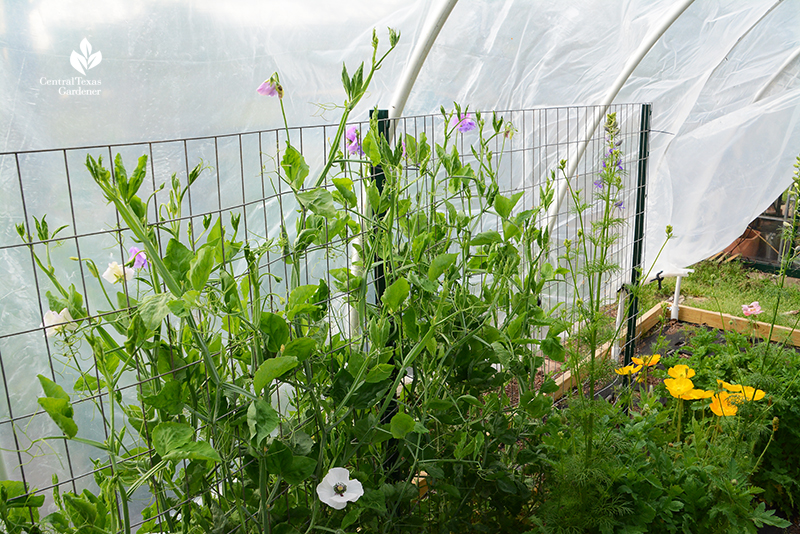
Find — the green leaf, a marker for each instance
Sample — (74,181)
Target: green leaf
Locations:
(279,458)
(174,441)
(177,259)
(201,266)
(298,301)
(57,405)
(168,399)
(345,188)
(300,348)
(319,200)
(295,167)
(153,309)
(380,372)
(275,329)
(552,348)
(486,238)
(300,469)
(394,295)
(374,198)
(549,386)
(440,264)
(262,419)
(351,517)
(401,425)
(137,177)
(272,369)
(503,205)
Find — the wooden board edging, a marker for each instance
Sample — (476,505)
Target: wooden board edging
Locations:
(724,322)
(567,381)
(687,314)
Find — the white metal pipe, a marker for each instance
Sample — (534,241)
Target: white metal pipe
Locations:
(781,69)
(621,301)
(630,66)
(418,56)
(676,308)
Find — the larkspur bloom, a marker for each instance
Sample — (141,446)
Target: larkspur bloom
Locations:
(138,257)
(58,323)
(754,308)
(598,184)
(619,205)
(353,142)
(117,272)
(336,489)
(649,360)
(466,123)
(271,87)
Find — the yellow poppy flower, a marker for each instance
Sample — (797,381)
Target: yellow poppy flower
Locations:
(680,371)
(628,370)
(724,404)
(649,361)
(748,392)
(697,394)
(678,386)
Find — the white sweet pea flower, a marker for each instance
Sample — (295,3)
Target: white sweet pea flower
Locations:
(58,323)
(336,489)
(117,272)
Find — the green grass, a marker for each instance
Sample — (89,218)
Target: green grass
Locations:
(725,287)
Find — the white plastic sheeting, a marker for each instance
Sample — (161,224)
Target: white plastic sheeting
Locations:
(185,69)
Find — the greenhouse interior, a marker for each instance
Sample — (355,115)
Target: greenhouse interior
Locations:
(394,267)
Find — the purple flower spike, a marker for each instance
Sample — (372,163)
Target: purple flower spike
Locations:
(598,184)
(138,257)
(466,124)
(353,144)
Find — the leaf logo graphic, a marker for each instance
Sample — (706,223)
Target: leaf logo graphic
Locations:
(84,62)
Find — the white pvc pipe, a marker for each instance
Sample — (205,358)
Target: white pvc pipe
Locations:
(781,69)
(622,300)
(676,308)
(418,56)
(630,66)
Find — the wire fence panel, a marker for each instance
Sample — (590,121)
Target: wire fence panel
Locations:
(74,234)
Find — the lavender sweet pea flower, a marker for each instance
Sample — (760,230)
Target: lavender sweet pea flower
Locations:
(466,124)
(138,257)
(353,143)
(271,87)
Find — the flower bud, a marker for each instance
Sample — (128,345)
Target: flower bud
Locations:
(775,422)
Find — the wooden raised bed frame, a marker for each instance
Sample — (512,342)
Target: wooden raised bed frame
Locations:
(687,314)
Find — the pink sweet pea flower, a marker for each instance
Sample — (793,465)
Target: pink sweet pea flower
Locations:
(751,309)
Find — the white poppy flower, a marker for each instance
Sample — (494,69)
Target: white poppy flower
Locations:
(117,272)
(336,489)
(58,323)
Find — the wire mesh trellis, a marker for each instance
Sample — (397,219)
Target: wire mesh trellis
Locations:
(241,187)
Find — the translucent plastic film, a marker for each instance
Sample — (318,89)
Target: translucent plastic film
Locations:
(155,70)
